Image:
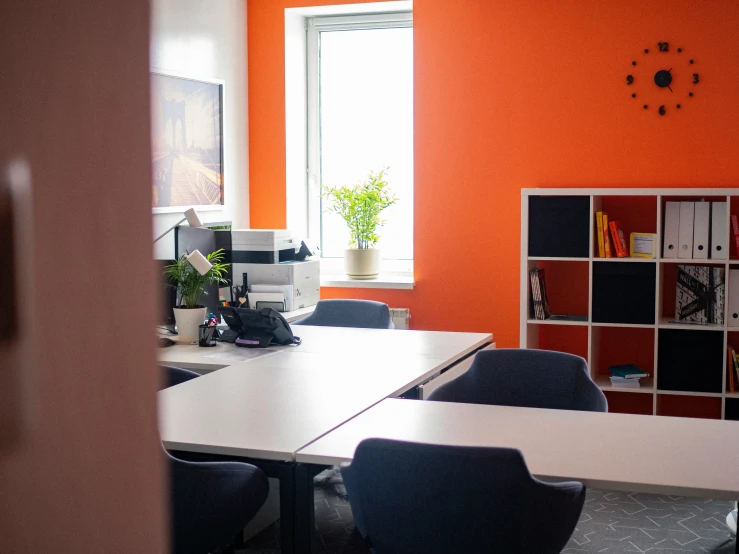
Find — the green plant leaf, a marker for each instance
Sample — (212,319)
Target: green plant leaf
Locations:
(360,207)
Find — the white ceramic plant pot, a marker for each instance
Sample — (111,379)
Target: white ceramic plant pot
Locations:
(188,320)
(362,263)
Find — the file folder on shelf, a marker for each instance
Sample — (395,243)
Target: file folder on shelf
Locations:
(672,222)
(685,230)
(701,230)
(733,298)
(719,248)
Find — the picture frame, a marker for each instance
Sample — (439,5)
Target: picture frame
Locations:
(187,143)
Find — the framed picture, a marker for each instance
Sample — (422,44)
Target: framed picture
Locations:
(187,143)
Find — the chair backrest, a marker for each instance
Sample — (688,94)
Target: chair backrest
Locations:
(528,378)
(176,375)
(409,497)
(366,314)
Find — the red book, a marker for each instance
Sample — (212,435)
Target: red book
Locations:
(619,242)
(735,227)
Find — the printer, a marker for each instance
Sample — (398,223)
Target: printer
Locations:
(303,278)
(271,257)
(263,246)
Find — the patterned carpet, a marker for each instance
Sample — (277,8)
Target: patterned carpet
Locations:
(611,523)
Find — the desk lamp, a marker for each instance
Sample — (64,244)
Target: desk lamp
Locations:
(199,262)
(192,219)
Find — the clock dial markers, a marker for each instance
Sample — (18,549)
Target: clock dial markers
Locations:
(662,78)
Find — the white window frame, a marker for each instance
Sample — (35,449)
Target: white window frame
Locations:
(314,25)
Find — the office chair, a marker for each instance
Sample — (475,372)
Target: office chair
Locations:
(528,378)
(410,497)
(211,501)
(366,314)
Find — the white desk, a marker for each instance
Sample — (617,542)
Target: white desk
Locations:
(678,456)
(266,409)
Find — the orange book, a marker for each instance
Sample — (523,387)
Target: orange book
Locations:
(606,237)
(619,242)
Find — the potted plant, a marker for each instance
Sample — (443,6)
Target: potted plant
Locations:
(360,208)
(190,286)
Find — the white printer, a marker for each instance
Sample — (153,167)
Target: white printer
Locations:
(304,276)
(263,246)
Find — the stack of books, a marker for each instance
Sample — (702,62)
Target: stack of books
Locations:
(539,294)
(610,237)
(626,376)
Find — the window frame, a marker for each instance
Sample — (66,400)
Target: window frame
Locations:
(314,26)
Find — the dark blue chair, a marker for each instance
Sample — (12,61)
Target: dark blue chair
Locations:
(211,502)
(366,314)
(528,378)
(409,497)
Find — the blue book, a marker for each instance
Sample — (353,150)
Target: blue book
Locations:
(627,371)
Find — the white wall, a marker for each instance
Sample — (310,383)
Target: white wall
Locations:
(207,39)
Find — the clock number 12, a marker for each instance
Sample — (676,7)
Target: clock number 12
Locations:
(664,46)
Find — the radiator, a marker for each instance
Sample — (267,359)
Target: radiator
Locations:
(401,317)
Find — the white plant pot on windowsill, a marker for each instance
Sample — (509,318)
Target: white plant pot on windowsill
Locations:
(188,320)
(362,263)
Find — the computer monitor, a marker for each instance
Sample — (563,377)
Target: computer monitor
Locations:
(186,240)
(167,295)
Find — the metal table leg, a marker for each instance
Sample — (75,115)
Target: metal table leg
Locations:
(305,522)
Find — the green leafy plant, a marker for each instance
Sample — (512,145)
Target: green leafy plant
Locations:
(360,207)
(189,284)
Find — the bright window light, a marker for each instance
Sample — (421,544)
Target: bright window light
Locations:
(365,117)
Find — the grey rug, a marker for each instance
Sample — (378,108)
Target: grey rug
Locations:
(611,523)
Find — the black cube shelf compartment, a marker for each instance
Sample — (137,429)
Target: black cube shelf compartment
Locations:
(559,226)
(732,409)
(690,360)
(624,292)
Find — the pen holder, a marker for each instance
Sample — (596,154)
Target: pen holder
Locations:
(206,335)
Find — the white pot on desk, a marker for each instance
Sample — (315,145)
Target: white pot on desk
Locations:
(188,320)
(362,263)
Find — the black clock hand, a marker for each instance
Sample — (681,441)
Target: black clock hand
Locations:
(668,86)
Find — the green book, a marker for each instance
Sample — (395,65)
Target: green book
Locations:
(627,371)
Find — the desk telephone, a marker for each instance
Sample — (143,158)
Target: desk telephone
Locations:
(256,328)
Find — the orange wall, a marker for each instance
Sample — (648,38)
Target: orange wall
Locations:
(512,94)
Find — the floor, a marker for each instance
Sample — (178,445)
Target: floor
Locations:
(611,523)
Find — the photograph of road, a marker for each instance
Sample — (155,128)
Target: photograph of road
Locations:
(187,147)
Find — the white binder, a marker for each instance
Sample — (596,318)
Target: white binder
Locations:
(701,230)
(719,248)
(733,318)
(685,230)
(672,221)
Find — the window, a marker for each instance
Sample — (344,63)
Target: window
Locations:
(360,119)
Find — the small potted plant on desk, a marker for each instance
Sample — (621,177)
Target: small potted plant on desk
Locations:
(360,208)
(190,286)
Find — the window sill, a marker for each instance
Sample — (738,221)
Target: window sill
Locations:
(403,281)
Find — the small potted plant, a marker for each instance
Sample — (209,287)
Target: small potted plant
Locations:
(360,208)
(190,286)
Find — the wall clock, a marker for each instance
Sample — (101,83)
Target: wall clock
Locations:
(663,79)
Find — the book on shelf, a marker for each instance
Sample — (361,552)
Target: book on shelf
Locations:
(599,227)
(606,237)
(730,370)
(621,382)
(735,230)
(539,294)
(700,294)
(626,375)
(627,371)
(736,367)
(619,242)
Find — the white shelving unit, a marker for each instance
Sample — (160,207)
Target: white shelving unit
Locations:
(531,329)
